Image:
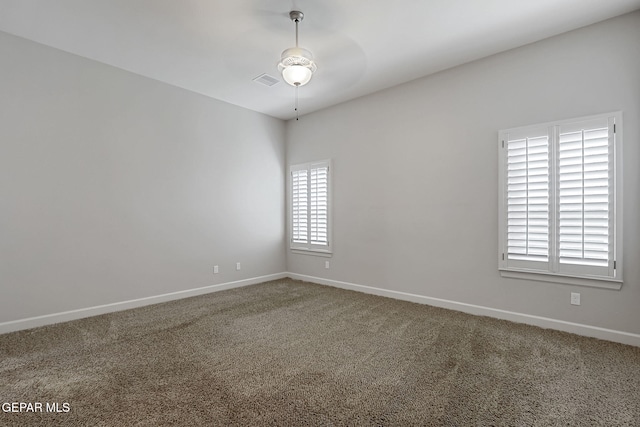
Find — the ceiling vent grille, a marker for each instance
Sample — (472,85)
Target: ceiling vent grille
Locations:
(266,80)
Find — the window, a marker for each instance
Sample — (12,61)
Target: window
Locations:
(309,210)
(561,201)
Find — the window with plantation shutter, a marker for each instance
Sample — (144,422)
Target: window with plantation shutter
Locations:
(560,205)
(309,209)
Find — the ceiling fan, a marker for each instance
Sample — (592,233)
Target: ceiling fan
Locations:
(296,63)
(336,64)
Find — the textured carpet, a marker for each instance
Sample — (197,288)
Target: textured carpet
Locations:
(293,353)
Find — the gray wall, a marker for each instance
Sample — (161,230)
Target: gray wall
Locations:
(415,192)
(115,187)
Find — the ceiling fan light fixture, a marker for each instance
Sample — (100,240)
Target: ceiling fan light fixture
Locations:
(297,66)
(296,63)
(296,75)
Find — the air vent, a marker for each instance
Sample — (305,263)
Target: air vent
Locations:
(266,80)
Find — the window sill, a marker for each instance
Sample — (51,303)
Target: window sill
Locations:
(314,252)
(562,279)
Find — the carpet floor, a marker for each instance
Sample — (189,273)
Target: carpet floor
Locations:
(290,353)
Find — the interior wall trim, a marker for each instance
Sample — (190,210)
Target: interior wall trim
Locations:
(543,322)
(49,319)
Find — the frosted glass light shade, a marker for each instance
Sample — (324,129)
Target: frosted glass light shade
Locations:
(297,66)
(297,75)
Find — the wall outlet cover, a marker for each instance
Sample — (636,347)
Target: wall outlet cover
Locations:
(575,298)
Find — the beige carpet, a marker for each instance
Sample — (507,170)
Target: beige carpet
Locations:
(289,353)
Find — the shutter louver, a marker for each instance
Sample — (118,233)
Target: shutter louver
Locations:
(299,208)
(319,205)
(584,196)
(528,199)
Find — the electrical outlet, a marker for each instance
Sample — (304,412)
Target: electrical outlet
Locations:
(326,264)
(237,266)
(575,298)
(215,269)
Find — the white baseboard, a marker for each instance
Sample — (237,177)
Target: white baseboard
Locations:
(49,319)
(543,322)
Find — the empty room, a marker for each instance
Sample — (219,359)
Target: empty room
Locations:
(296,212)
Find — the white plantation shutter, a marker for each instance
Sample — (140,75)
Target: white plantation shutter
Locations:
(559,209)
(528,199)
(319,205)
(310,200)
(585,157)
(299,205)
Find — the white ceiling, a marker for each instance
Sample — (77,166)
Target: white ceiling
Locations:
(216,47)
